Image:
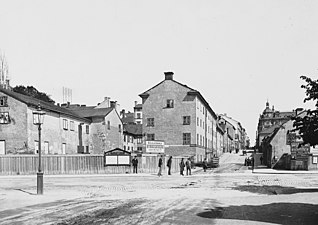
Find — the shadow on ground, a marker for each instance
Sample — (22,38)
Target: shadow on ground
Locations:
(274,190)
(280,213)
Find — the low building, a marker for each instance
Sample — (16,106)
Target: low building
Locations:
(63,131)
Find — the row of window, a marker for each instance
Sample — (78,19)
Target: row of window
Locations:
(186,138)
(71,125)
(186,121)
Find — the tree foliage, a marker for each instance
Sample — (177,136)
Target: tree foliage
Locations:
(307,124)
(33,92)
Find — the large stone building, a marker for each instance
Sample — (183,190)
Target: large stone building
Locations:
(268,119)
(180,116)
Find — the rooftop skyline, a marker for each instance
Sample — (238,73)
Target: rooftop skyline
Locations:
(237,54)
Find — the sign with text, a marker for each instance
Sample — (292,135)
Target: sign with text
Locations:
(313,150)
(155,147)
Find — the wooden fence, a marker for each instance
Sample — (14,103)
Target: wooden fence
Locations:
(78,164)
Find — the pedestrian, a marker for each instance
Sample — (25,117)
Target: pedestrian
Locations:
(182,165)
(261,159)
(135,164)
(169,165)
(188,165)
(205,164)
(159,165)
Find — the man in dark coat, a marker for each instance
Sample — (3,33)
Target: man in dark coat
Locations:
(159,166)
(182,165)
(135,164)
(169,165)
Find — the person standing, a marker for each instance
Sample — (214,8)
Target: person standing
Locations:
(169,165)
(205,164)
(159,165)
(182,165)
(135,164)
(188,165)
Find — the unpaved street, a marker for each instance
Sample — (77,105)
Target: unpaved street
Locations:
(231,194)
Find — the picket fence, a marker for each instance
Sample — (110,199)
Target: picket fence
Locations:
(77,164)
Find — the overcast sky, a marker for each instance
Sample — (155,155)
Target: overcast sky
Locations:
(236,53)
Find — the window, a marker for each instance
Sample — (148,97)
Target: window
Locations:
(124,138)
(87,129)
(124,147)
(3,101)
(72,126)
(186,138)
(150,137)
(138,116)
(150,122)
(4,118)
(186,120)
(170,103)
(139,148)
(63,148)
(36,147)
(65,124)
(119,127)
(197,139)
(108,125)
(197,121)
(139,140)
(200,122)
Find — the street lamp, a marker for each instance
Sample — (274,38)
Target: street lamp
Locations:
(38,117)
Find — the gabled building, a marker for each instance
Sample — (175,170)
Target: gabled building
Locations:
(63,131)
(270,118)
(106,130)
(180,117)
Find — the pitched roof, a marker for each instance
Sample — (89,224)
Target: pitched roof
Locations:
(46,106)
(89,112)
(270,129)
(190,92)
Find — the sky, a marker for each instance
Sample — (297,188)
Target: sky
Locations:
(238,54)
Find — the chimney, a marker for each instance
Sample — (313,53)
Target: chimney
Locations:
(113,104)
(168,75)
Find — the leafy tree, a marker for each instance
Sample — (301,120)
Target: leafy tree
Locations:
(307,125)
(33,92)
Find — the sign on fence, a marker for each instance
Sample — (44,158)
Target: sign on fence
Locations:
(117,157)
(155,147)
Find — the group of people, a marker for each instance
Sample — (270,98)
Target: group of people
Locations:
(184,165)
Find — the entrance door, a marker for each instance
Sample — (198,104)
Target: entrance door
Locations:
(2,147)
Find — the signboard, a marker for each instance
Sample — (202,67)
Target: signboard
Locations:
(155,147)
(314,151)
(117,157)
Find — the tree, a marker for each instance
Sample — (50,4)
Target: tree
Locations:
(33,92)
(307,124)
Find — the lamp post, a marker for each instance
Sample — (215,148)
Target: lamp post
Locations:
(38,117)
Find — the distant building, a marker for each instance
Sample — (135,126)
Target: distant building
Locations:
(240,135)
(268,119)
(133,139)
(138,113)
(180,116)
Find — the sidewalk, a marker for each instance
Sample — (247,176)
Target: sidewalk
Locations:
(266,170)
